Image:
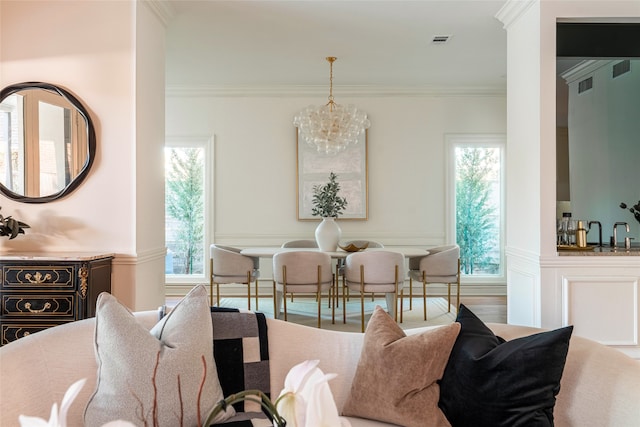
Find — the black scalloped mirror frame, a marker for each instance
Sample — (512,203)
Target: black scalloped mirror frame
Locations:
(91,140)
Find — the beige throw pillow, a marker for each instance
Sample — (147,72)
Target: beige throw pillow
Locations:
(154,378)
(396,378)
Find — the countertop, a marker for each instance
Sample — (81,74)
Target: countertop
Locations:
(592,250)
(54,256)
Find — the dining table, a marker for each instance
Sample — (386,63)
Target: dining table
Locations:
(270,251)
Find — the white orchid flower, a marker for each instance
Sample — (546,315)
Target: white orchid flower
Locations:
(306,400)
(56,419)
(59,419)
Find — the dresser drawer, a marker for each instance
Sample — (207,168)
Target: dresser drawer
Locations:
(38,305)
(38,277)
(12,330)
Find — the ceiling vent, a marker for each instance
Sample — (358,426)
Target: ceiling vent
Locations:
(621,68)
(440,39)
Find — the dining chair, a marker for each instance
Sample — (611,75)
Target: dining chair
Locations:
(374,272)
(360,244)
(300,244)
(301,272)
(228,265)
(442,265)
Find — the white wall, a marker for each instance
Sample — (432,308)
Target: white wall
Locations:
(90,48)
(255,170)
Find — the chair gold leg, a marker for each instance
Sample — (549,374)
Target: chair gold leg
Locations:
(362,311)
(319,298)
(211,282)
(424,295)
(218,294)
(284,302)
(410,294)
(458,290)
(401,304)
(249,290)
(319,293)
(275,300)
(333,307)
(395,298)
(257,295)
(344,303)
(284,290)
(449,297)
(362,297)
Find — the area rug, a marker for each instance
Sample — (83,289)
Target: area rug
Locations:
(303,310)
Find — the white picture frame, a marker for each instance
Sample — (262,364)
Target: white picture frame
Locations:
(350,166)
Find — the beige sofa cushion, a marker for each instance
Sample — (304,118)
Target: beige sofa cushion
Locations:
(396,378)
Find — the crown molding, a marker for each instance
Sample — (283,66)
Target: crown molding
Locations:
(512,10)
(584,69)
(163,9)
(199,91)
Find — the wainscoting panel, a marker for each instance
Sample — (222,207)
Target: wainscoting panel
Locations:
(523,289)
(604,309)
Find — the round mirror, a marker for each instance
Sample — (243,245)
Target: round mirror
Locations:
(47,142)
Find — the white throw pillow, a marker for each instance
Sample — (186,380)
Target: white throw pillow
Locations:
(155,377)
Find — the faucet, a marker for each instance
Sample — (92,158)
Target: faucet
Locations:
(615,234)
(599,231)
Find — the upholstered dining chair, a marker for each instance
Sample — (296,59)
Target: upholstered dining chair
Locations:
(300,244)
(228,265)
(301,272)
(380,272)
(442,265)
(360,244)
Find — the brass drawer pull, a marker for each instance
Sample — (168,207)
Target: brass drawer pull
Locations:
(38,278)
(47,305)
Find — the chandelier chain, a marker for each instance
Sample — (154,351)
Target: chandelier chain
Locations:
(331,102)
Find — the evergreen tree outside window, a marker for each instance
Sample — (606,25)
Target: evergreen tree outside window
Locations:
(184,210)
(478,205)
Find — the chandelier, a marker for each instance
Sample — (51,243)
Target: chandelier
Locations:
(330,128)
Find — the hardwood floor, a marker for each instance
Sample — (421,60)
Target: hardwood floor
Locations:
(489,309)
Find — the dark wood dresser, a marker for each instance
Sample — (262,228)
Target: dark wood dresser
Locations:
(38,290)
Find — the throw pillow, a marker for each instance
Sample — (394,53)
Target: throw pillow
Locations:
(492,382)
(396,378)
(163,377)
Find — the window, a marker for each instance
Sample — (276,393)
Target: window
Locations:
(187,209)
(37,153)
(477,206)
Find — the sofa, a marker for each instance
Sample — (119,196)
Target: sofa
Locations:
(600,386)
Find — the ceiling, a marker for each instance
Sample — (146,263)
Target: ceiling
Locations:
(383,44)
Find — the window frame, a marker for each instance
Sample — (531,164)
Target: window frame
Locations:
(208,144)
(453,141)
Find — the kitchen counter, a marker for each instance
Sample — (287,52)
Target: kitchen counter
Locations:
(600,251)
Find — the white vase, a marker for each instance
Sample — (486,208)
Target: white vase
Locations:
(328,235)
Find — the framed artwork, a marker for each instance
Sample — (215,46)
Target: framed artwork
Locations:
(349,165)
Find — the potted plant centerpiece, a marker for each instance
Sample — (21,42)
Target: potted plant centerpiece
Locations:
(328,205)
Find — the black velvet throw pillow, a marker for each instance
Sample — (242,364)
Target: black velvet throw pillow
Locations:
(490,382)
